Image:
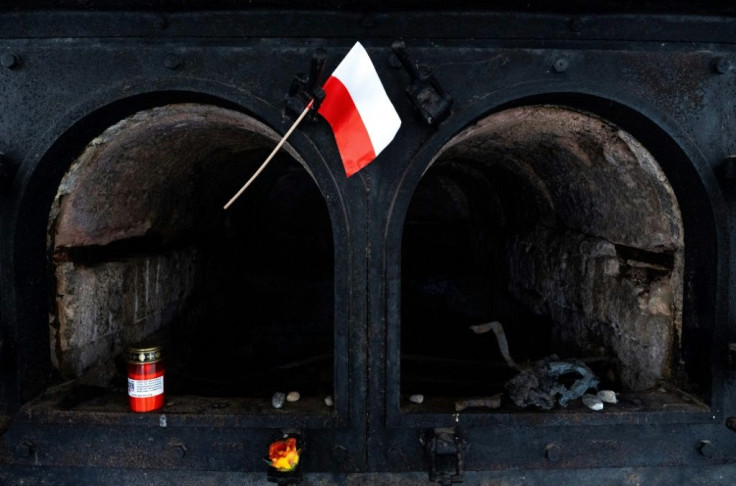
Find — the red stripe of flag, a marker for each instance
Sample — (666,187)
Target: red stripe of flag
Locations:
(353,141)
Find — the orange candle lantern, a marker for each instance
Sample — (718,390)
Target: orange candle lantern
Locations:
(283,460)
(145,378)
(283,454)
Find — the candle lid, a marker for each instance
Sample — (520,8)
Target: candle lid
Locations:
(144,353)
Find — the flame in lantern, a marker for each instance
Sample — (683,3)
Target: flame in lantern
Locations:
(283,454)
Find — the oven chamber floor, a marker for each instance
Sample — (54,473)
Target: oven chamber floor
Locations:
(78,398)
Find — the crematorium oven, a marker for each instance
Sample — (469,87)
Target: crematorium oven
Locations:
(532,282)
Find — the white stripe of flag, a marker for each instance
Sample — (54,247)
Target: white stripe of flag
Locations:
(380,122)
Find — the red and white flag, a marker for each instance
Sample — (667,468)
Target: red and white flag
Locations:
(358,110)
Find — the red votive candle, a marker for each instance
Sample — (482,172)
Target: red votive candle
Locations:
(145,378)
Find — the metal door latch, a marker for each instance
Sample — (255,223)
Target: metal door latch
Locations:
(445,448)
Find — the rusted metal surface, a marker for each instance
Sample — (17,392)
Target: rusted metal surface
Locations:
(635,476)
(66,78)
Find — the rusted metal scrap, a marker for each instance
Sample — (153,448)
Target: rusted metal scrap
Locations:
(543,383)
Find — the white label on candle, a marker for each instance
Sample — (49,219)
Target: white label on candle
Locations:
(146,388)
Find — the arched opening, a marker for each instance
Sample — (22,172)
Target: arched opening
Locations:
(242,300)
(562,227)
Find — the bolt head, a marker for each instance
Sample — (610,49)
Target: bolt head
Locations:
(160,23)
(9,60)
(706,448)
(553,453)
(24,449)
(172,62)
(339,453)
(179,451)
(561,65)
(721,65)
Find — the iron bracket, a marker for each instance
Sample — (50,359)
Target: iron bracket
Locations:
(306,88)
(445,448)
(425,93)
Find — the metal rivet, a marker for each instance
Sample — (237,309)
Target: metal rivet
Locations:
(339,453)
(25,449)
(160,23)
(560,65)
(9,60)
(706,448)
(721,65)
(553,453)
(179,451)
(172,62)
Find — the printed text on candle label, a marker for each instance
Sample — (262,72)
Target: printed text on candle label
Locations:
(145,388)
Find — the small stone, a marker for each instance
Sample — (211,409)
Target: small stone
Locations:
(592,402)
(293,396)
(607,396)
(278,399)
(328,401)
(416,398)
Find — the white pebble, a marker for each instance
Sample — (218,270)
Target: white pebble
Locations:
(592,402)
(607,396)
(328,401)
(416,398)
(278,399)
(293,396)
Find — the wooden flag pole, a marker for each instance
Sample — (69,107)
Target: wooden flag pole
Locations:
(273,153)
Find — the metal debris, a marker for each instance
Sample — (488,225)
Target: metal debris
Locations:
(483,402)
(278,399)
(607,396)
(540,384)
(592,402)
(293,396)
(416,398)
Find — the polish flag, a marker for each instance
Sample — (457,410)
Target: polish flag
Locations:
(357,108)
